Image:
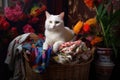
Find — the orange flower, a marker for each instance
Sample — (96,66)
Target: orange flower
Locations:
(89,3)
(96,40)
(78,27)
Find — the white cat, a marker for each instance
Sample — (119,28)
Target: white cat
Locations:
(55,31)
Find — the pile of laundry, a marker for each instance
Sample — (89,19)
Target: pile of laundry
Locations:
(73,52)
(29,47)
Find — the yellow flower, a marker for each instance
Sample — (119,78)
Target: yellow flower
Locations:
(91,21)
(78,27)
(33,10)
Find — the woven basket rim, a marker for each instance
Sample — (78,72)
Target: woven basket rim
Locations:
(83,63)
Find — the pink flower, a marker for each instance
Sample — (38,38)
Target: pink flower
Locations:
(13,13)
(28,29)
(89,38)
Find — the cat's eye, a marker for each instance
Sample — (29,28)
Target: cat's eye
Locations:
(56,22)
(50,21)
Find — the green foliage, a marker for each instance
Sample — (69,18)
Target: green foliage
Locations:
(107,20)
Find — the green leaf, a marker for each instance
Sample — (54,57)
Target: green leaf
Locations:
(100,9)
(104,11)
(105,21)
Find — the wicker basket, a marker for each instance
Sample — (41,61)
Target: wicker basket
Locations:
(30,74)
(61,72)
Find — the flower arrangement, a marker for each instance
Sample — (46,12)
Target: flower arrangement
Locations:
(87,30)
(16,21)
(107,18)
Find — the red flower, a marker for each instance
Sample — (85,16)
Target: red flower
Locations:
(38,11)
(89,3)
(43,8)
(34,20)
(41,36)
(13,32)
(28,29)
(2,20)
(23,17)
(86,28)
(13,29)
(5,25)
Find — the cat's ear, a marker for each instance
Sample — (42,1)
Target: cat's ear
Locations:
(62,15)
(47,14)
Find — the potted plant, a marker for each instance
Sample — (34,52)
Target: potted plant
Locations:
(107,18)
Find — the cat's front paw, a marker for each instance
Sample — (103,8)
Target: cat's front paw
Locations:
(55,49)
(56,46)
(45,46)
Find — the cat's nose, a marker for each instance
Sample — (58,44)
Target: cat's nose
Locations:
(53,27)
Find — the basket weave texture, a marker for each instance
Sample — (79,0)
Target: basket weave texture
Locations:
(62,72)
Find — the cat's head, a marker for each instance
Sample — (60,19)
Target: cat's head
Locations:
(54,22)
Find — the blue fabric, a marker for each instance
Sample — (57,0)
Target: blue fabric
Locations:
(48,52)
(39,58)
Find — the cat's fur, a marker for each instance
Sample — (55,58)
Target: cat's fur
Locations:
(55,31)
